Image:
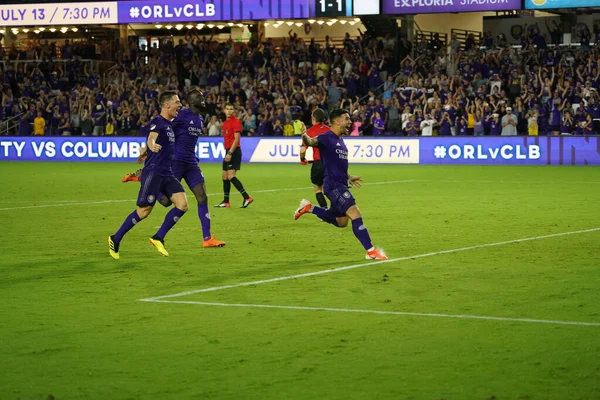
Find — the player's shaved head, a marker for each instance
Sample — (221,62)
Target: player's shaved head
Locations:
(195,100)
(194,94)
(165,97)
(319,116)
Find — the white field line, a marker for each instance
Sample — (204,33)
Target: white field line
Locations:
(66,203)
(367,264)
(404,313)
(85,203)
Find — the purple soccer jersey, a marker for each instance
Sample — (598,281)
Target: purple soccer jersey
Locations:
(187,127)
(334,156)
(160,162)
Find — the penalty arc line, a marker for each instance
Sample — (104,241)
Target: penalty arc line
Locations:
(328,271)
(403,313)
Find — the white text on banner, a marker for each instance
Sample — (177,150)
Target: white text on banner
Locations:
(369,151)
(59,14)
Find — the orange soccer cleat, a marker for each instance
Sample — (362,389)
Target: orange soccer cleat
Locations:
(212,242)
(303,208)
(376,254)
(131,177)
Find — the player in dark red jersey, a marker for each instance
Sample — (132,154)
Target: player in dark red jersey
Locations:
(316,172)
(232,131)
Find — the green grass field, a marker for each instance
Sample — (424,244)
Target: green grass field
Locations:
(72,327)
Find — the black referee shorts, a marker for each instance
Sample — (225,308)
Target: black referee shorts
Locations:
(316,173)
(236,161)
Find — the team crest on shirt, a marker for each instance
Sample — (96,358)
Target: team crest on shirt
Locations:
(347,195)
(151,199)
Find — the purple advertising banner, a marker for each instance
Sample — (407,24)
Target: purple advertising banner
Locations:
(212,10)
(447,6)
(529,150)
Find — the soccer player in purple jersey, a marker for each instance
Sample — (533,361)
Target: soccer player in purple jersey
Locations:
(157,177)
(334,157)
(188,126)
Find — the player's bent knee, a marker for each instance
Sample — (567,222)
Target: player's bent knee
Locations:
(353,212)
(342,222)
(200,193)
(183,206)
(164,201)
(180,201)
(202,198)
(143,212)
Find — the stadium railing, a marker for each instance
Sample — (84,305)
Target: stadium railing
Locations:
(10,126)
(463,34)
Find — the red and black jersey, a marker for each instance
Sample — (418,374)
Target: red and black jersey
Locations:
(230,127)
(315,131)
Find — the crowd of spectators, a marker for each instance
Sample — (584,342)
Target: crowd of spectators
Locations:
(481,88)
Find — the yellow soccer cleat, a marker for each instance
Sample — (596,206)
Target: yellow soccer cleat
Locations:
(160,246)
(113,248)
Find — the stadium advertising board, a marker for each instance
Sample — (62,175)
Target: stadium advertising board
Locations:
(447,6)
(151,11)
(58,14)
(549,4)
(227,10)
(372,151)
(542,150)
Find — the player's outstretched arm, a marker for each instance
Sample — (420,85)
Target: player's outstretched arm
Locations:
(308,141)
(354,181)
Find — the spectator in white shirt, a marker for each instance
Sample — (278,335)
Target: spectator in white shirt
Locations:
(427,125)
(214,126)
(509,123)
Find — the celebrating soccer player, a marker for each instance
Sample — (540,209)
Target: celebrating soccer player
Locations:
(316,171)
(232,130)
(334,156)
(188,126)
(157,177)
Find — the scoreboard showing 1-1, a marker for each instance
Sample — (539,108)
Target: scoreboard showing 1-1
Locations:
(333,8)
